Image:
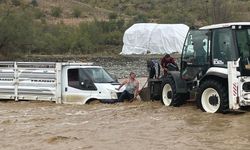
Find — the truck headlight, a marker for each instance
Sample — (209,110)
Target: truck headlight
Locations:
(113,95)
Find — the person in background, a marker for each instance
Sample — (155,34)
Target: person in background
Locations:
(153,67)
(168,62)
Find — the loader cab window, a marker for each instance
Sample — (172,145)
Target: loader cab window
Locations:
(195,54)
(243,44)
(79,80)
(223,47)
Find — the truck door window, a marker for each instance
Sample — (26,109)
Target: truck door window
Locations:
(223,47)
(86,80)
(79,80)
(73,78)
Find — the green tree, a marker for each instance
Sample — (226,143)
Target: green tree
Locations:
(113,16)
(141,18)
(56,11)
(113,38)
(16,32)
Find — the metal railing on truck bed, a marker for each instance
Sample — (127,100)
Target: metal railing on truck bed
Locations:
(30,81)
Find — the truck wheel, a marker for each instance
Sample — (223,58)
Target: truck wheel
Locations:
(212,97)
(169,95)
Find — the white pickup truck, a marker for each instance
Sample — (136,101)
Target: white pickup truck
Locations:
(68,83)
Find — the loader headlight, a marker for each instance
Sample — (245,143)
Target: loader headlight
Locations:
(246,86)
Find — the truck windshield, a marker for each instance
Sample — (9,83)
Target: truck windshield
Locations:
(98,75)
(243,43)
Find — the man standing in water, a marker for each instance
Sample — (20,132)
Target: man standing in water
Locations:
(131,91)
(132,88)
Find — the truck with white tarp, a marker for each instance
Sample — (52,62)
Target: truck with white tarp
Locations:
(70,83)
(144,38)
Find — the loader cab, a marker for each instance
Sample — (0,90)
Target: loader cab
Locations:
(195,55)
(215,63)
(214,46)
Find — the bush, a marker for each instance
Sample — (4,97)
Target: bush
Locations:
(38,14)
(113,38)
(16,2)
(56,11)
(140,18)
(130,11)
(120,24)
(34,3)
(77,12)
(107,26)
(112,16)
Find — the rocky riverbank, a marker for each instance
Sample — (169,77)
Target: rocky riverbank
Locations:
(116,65)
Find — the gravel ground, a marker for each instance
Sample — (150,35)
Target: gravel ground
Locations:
(117,65)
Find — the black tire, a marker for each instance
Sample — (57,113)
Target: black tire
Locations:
(185,96)
(212,97)
(169,96)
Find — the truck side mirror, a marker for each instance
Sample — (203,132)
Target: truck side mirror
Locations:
(86,83)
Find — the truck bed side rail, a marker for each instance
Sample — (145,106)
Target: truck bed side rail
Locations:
(28,80)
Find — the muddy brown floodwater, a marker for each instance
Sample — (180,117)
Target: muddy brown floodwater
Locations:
(125,126)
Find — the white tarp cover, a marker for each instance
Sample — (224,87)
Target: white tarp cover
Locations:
(144,38)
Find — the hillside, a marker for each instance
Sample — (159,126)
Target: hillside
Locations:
(30,27)
(191,12)
(72,11)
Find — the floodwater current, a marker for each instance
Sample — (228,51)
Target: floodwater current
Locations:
(134,126)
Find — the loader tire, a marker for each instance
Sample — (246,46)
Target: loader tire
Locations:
(169,95)
(212,97)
